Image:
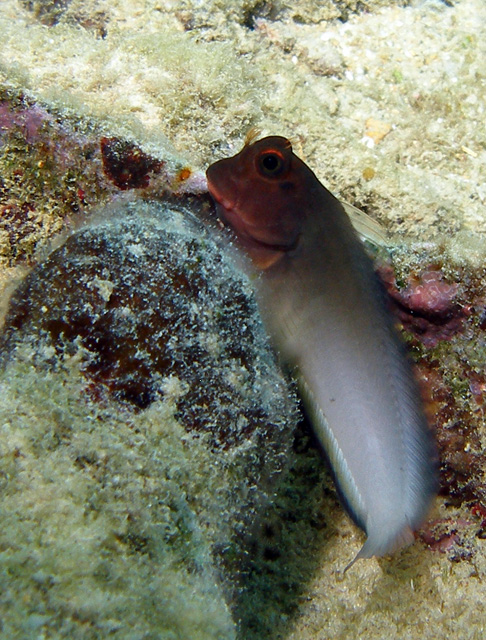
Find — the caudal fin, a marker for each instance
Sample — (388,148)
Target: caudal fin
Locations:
(379,545)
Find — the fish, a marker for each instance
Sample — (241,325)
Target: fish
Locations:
(326,313)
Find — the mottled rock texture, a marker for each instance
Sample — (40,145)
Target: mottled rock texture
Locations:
(171,87)
(148,431)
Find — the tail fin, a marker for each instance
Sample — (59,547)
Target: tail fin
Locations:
(374,546)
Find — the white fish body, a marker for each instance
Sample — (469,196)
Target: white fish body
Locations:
(327,315)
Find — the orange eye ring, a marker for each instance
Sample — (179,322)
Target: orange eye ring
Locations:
(271,163)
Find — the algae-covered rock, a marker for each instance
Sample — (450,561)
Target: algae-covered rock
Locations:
(145,425)
(99,97)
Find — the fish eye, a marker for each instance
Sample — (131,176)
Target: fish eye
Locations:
(271,164)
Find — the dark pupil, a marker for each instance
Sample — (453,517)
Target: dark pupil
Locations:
(271,162)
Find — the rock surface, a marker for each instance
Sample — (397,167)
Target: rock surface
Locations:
(385,101)
(145,430)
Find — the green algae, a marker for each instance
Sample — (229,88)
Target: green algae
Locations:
(82,485)
(146,87)
(124,520)
(420,69)
(149,81)
(39,190)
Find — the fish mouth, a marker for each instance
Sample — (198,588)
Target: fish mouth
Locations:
(250,236)
(229,214)
(246,233)
(224,206)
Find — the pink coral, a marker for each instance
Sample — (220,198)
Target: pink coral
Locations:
(448,535)
(29,118)
(430,294)
(428,306)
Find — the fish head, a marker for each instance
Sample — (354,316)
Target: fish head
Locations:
(263,193)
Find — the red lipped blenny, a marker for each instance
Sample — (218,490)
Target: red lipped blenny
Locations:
(327,315)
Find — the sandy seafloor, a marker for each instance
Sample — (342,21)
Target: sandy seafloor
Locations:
(386,103)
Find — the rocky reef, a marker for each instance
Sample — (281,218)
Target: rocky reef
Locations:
(441,309)
(145,430)
(131,506)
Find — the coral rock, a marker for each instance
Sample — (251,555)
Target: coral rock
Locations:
(427,306)
(147,426)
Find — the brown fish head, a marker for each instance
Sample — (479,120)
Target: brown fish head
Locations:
(263,193)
